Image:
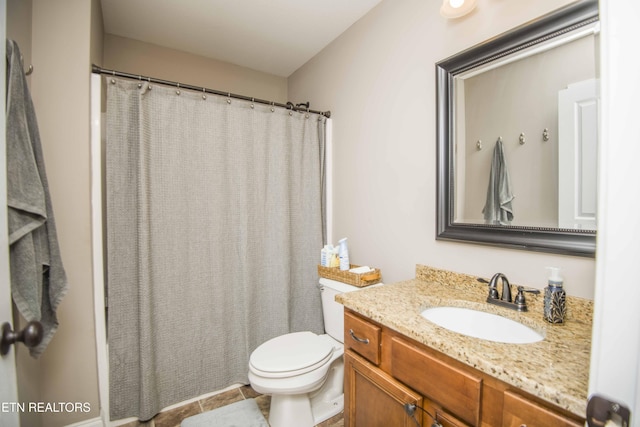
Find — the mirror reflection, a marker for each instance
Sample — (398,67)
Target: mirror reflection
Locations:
(526,134)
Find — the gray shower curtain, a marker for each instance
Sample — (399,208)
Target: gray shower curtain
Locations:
(214,226)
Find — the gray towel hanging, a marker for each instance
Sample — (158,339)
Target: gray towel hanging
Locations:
(38,279)
(497,209)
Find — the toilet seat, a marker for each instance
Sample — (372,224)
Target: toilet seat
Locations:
(290,355)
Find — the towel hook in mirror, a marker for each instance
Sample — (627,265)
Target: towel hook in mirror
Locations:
(29,70)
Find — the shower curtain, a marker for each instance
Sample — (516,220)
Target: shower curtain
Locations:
(214,226)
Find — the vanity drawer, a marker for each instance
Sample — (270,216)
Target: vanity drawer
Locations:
(457,391)
(362,337)
(520,411)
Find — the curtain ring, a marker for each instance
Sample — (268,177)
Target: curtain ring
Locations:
(113,81)
(149,80)
(252,101)
(272,106)
(140,82)
(178,90)
(228,98)
(204,93)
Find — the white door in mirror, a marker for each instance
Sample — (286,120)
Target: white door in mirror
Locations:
(578,155)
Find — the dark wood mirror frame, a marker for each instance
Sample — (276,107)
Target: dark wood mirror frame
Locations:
(554,240)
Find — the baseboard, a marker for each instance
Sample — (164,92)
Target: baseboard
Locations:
(93,422)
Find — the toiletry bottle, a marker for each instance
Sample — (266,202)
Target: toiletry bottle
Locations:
(555,307)
(325,255)
(343,252)
(335,260)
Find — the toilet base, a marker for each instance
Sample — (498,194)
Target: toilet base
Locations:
(329,400)
(297,411)
(289,410)
(310,409)
(326,409)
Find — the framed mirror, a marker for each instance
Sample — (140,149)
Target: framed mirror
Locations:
(517,135)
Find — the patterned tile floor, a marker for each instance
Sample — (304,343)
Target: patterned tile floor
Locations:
(173,417)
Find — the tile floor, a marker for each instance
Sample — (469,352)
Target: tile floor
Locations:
(173,417)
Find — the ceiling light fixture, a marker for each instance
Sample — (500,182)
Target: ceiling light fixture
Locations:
(452,9)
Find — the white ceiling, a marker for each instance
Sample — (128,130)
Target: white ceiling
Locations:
(273,36)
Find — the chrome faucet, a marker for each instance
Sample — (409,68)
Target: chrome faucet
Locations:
(519,303)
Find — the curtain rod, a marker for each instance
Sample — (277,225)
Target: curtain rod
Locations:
(99,70)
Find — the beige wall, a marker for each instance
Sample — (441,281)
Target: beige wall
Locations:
(378,80)
(55,37)
(61,49)
(19,27)
(136,57)
(66,372)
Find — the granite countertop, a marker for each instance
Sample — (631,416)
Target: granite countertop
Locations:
(555,369)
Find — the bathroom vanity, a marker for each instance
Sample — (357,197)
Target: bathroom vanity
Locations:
(394,357)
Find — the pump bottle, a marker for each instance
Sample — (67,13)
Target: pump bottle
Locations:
(555,308)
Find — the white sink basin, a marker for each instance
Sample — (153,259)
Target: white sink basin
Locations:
(479,324)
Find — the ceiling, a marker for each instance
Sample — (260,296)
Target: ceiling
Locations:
(273,36)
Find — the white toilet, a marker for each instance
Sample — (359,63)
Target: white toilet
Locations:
(304,372)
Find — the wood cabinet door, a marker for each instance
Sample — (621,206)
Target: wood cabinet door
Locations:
(374,399)
(448,420)
(442,416)
(521,412)
(454,388)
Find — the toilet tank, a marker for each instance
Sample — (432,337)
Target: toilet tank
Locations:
(333,311)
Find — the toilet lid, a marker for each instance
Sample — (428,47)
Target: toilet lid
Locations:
(286,354)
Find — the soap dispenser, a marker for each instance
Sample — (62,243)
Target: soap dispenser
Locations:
(555,297)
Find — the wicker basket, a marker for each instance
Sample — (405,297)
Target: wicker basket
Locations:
(360,280)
